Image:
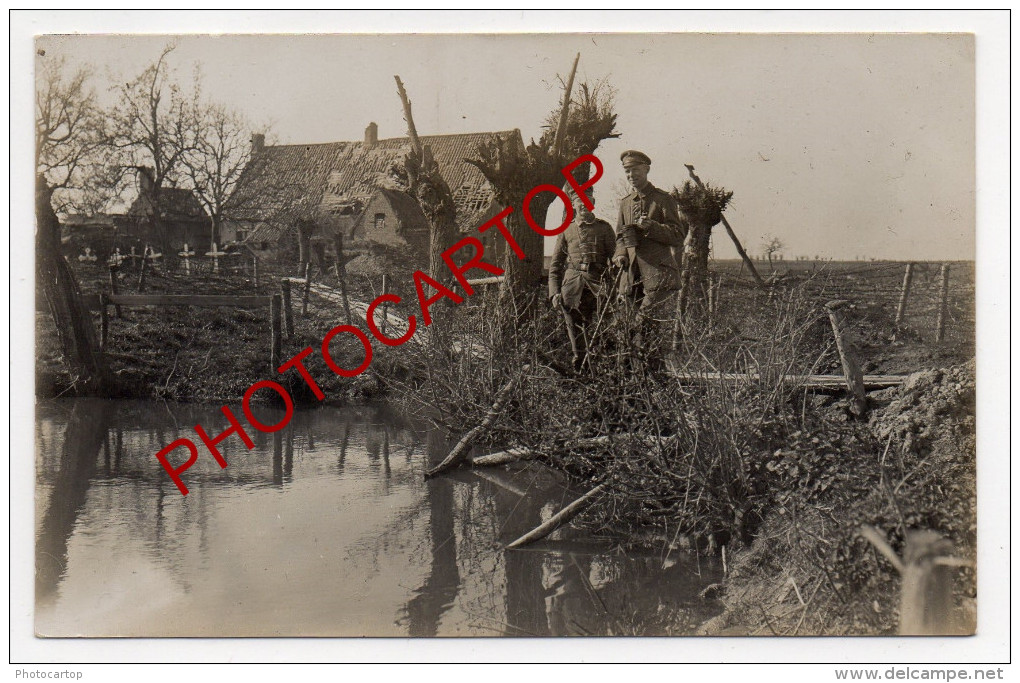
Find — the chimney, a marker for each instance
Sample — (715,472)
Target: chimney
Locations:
(258,143)
(371,135)
(146,180)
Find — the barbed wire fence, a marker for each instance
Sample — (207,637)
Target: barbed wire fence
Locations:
(926,302)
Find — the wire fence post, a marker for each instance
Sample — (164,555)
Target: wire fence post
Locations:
(104,321)
(901,308)
(940,331)
(288,310)
(274,322)
(308,288)
(385,306)
(114,286)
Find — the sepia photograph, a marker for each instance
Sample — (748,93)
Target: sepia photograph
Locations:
(505,335)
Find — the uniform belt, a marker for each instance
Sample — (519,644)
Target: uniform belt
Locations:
(585,267)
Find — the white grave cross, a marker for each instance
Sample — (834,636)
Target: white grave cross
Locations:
(216,254)
(186,255)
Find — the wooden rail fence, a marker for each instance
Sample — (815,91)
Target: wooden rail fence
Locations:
(103,301)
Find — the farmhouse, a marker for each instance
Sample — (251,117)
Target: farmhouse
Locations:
(182,217)
(182,220)
(294,198)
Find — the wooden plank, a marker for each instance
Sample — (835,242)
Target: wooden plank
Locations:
(496,280)
(871,382)
(848,357)
(186,300)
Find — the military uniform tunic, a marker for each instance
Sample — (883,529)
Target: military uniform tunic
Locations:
(579,271)
(651,261)
(578,268)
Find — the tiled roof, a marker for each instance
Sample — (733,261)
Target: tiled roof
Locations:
(407,209)
(175,204)
(334,174)
(265,232)
(96,220)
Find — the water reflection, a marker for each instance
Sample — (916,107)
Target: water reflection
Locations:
(321,529)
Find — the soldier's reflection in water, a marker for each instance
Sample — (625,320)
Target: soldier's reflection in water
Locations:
(84,437)
(571,606)
(436,595)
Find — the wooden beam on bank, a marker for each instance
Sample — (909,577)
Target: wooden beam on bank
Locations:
(821,382)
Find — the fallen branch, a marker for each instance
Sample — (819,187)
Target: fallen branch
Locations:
(460,451)
(506,457)
(557,520)
(518,453)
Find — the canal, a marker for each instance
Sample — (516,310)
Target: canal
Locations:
(326,528)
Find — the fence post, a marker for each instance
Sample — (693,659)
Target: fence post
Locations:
(848,357)
(341,275)
(114,287)
(385,306)
(255,271)
(141,272)
(288,311)
(940,331)
(274,315)
(308,287)
(901,308)
(104,322)
(927,588)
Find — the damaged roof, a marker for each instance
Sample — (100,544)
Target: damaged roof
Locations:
(333,176)
(175,204)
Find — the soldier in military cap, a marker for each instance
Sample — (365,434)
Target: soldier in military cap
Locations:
(578,274)
(648,227)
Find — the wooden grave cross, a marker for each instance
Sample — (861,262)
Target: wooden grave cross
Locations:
(216,254)
(133,256)
(151,255)
(186,255)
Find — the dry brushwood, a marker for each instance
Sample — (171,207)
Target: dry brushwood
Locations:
(513,170)
(702,205)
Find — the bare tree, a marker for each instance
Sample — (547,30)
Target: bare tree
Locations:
(217,159)
(153,125)
(69,137)
(421,175)
(771,245)
(513,171)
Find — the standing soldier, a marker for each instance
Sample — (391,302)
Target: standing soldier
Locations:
(578,275)
(649,226)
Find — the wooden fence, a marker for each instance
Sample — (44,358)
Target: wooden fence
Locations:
(103,301)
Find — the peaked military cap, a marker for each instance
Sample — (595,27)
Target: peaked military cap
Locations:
(632,156)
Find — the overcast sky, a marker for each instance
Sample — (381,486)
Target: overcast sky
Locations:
(842,145)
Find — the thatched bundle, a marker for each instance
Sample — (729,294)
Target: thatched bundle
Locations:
(702,206)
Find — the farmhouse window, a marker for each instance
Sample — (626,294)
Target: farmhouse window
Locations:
(380,221)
